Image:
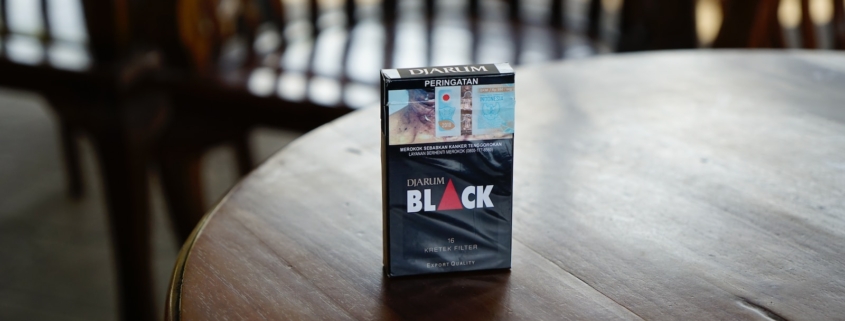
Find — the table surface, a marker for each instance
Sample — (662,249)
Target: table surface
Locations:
(672,185)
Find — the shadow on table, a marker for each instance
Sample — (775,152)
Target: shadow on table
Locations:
(472,295)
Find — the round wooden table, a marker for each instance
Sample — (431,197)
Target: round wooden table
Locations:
(671,185)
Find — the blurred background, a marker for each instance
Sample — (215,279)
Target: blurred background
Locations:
(123,121)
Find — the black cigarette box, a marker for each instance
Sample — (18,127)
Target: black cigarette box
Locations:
(447,168)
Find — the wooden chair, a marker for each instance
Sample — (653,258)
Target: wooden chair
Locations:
(273,63)
(88,78)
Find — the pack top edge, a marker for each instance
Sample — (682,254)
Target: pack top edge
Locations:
(448,71)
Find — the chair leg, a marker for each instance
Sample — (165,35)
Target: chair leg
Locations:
(838,25)
(243,155)
(633,33)
(807,27)
(123,162)
(594,14)
(181,180)
(70,153)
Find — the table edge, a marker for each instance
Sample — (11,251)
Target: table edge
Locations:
(173,302)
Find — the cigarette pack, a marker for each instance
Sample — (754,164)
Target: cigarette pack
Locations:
(447,168)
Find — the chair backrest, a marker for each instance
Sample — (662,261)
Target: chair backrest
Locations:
(756,24)
(205,29)
(69,34)
(670,24)
(303,45)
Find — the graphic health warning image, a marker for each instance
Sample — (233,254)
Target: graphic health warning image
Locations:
(454,113)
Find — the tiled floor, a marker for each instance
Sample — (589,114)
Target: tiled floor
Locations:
(55,255)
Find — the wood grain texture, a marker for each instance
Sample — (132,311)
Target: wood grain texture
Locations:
(674,185)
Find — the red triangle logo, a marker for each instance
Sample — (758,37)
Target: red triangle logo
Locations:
(450,200)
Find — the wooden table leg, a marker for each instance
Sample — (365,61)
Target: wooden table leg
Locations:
(180,177)
(243,154)
(124,169)
(70,153)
